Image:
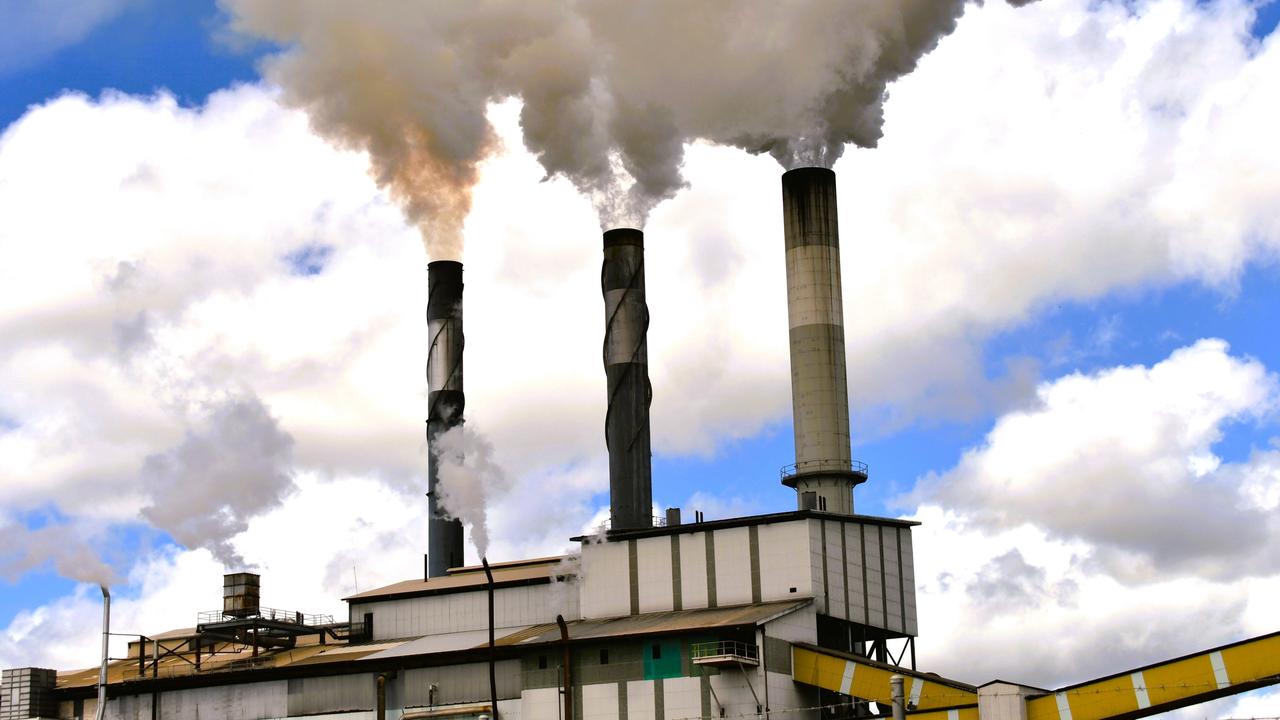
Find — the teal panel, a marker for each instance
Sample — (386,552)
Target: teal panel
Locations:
(662,659)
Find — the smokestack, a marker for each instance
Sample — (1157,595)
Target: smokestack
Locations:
(824,473)
(626,365)
(445,402)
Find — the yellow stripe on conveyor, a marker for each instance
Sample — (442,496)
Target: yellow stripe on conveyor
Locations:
(869,680)
(1221,671)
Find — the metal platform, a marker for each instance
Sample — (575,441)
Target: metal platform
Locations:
(726,653)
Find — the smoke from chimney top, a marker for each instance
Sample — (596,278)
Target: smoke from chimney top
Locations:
(612,90)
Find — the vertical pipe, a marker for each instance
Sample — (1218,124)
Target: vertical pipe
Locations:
(382,696)
(493,680)
(819,386)
(899,702)
(445,401)
(567,672)
(106,637)
(626,365)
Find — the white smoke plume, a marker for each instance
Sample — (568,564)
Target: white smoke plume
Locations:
(236,465)
(469,479)
(61,545)
(612,90)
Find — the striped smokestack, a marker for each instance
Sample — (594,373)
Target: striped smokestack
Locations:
(824,473)
(445,403)
(626,365)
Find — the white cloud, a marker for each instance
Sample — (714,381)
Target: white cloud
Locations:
(1099,531)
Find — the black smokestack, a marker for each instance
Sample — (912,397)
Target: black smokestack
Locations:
(445,403)
(626,365)
(824,473)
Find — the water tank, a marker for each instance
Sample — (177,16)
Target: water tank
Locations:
(240,594)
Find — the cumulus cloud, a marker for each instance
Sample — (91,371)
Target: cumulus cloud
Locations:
(1084,536)
(1124,459)
(30,32)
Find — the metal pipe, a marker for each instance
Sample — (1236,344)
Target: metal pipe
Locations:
(493,680)
(626,366)
(445,404)
(382,696)
(101,710)
(896,694)
(819,385)
(567,671)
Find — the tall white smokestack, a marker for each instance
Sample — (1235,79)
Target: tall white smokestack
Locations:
(824,473)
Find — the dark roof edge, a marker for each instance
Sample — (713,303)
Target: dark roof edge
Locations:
(748,520)
(481,587)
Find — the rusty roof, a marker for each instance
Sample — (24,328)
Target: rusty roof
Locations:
(521,572)
(671,621)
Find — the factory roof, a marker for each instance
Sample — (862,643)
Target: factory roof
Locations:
(505,574)
(656,623)
(690,527)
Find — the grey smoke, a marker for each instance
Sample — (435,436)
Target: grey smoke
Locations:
(60,545)
(611,90)
(470,479)
(228,469)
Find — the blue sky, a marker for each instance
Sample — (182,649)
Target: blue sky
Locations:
(725,455)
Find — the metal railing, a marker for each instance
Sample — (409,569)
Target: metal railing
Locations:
(854,466)
(725,648)
(658,521)
(266,613)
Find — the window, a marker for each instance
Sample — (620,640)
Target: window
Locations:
(657,652)
(822,503)
(604,656)
(542,662)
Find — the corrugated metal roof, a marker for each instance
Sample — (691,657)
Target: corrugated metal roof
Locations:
(655,623)
(467,578)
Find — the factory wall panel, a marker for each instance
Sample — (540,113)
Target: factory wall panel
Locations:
(336,694)
(855,571)
(250,701)
(734,693)
(733,566)
(836,586)
(654,590)
(693,570)
(892,580)
(457,612)
(466,683)
(600,701)
(789,699)
(814,559)
(682,697)
(908,580)
(875,587)
(782,578)
(800,626)
(606,581)
(640,699)
(540,704)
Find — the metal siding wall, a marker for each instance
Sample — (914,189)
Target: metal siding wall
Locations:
(654,556)
(457,612)
(733,567)
(606,588)
(467,683)
(780,545)
(693,572)
(854,570)
(892,581)
(815,564)
(732,690)
(909,580)
(252,701)
(875,593)
(600,701)
(835,571)
(339,693)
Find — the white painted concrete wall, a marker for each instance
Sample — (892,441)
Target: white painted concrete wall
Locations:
(600,701)
(733,567)
(653,557)
(693,570)
(605,580)
(780,546)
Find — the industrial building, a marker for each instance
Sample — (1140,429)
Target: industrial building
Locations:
(800,614)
